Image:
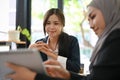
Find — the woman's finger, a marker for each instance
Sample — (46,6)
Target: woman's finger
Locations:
(12,66)
(51,62)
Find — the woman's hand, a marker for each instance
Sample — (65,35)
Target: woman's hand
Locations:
(20,73)
(54,69)
(43,47)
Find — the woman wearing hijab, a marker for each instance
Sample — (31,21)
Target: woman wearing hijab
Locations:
(104,19)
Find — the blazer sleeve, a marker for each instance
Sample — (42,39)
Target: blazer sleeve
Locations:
(69,48)
(73,60)
(45,77)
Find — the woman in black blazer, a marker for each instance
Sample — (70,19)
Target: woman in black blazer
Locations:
(57,44)
(69,48)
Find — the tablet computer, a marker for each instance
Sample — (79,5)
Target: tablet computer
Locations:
(29,58)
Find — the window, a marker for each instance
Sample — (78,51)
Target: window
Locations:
(74,15)
(7,17)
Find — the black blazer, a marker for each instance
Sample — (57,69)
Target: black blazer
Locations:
(68,47)
(107,66)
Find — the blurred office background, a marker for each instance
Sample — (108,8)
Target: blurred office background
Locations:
(29,14)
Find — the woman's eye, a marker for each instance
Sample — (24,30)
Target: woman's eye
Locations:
(47,23)
(92,17)
(56,23)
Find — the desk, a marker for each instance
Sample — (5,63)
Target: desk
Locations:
(12,44)
(17,42)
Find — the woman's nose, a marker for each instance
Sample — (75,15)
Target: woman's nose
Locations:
(91,25)
(51,26)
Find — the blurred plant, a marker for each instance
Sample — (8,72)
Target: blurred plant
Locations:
(25,32)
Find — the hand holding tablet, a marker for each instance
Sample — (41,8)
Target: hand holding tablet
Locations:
(29,58)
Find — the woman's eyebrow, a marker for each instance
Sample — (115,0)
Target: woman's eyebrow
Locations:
(90,12)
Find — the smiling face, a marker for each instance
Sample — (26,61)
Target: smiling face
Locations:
(96,20)
(53,26)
